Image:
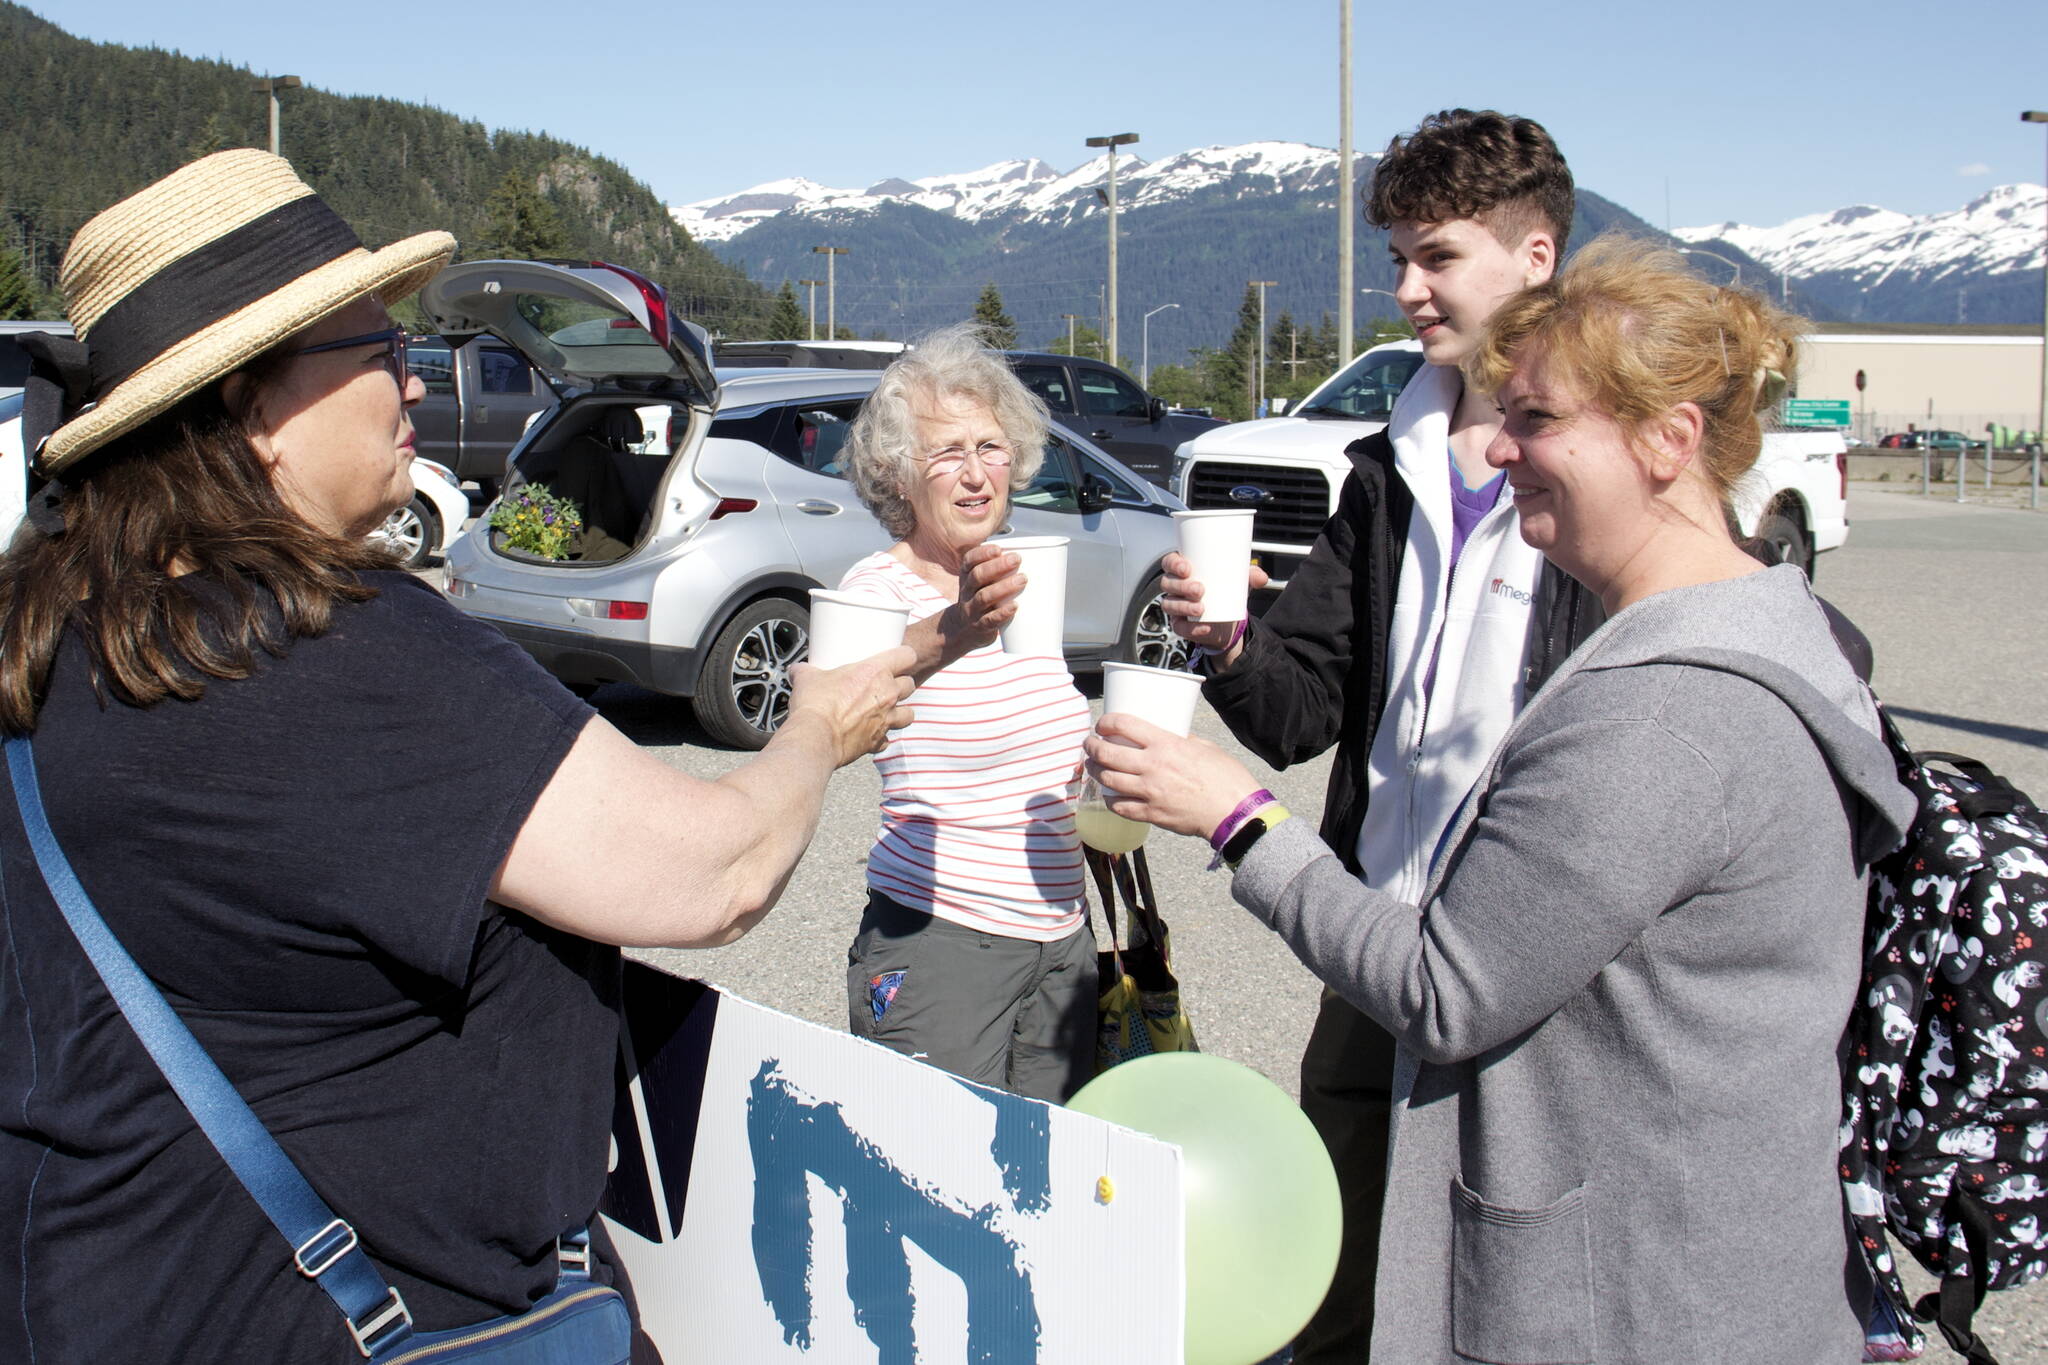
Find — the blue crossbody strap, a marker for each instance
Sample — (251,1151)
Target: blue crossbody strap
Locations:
(324,1246)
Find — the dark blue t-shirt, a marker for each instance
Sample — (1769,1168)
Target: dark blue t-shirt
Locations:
(299,860)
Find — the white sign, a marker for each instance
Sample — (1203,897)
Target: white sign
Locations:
(786,1193)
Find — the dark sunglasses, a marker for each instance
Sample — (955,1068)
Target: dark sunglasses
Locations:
(393,340)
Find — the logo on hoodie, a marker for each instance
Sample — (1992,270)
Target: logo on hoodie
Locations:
(1500,587)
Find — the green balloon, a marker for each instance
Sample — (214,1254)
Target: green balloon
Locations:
(1259,1195)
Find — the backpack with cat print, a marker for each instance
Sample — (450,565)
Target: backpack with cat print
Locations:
(1945,1127)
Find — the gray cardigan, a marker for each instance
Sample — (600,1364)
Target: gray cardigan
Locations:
(1619,1007)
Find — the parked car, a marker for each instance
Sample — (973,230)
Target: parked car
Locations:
(479,401)
(799,355)
(424,527)
(1951,441)
(427,525)
(1931,439)
(692,575)
(1101,402)
(1290,469)
(1087,397)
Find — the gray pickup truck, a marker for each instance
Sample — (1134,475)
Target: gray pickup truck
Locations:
(1106,405)
(477,405)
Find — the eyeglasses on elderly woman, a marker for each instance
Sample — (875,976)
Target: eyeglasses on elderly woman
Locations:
(393,339)
(950,459)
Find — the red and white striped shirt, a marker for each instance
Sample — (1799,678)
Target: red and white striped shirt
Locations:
(978,792)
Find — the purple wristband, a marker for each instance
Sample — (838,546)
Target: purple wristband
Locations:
(1204,652)
(1246,809)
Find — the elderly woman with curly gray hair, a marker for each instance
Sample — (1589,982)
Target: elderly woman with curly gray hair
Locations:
(974,952)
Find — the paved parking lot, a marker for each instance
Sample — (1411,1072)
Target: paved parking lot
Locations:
(1954,599)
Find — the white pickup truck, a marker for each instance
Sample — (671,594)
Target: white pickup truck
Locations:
(1289,469)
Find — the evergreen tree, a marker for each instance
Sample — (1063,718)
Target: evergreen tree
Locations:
(212,137)
(999,327)
(523,225)
(1233,372)
(1291,368)
(1180,386)
(1086,342)
(786,322)
(19,295)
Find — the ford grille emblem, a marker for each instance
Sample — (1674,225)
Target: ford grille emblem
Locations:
(1251,495)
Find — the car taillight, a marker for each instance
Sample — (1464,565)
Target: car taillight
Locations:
(651,294)
(606,610)
(1842,468)
(728,506)
(459,588)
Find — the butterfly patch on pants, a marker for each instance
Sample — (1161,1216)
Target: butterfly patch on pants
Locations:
(882,992)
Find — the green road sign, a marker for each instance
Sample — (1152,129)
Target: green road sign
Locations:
(1816,412)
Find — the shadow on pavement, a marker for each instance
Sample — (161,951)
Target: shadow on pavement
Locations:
(650,717)
(2014,734)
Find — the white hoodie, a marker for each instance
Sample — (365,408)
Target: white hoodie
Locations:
(1428,752)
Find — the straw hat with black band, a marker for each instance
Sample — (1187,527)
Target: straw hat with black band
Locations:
(185,282)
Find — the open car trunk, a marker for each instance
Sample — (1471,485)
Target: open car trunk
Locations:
(623,368)
(611,459)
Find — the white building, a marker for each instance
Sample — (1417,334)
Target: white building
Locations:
(1963,378)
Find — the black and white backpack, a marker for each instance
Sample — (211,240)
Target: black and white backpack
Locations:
(1945,1123)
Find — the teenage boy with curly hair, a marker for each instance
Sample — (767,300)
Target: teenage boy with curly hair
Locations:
(1419,623)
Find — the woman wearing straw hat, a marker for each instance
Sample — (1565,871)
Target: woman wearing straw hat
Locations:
(409,978)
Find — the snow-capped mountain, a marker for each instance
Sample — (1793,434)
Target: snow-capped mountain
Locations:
(1198,224)
(1195,226)
(1026,190)
(1867,263)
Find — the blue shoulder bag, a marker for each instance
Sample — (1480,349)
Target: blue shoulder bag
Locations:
(581,1323)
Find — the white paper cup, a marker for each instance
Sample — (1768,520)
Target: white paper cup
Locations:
(846,627)
(1219,547)
(1039,627)
(1164,696)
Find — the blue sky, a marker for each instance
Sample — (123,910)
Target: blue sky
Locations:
(1737,110)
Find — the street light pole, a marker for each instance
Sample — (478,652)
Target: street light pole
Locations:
(2040,416)
(1071,318)
(1732,265)
(1112,142)
(813,310)
(1345,246)
(270,85)
(1262,286)
(1145,354)
(831,255)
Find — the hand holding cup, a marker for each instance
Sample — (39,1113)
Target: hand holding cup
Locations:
(1183,600)
(859,704)
(1149,773)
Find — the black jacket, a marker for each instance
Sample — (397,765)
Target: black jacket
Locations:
(1314,668)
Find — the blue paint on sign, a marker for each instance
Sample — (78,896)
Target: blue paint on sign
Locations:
(884,1208)
(1022,1147)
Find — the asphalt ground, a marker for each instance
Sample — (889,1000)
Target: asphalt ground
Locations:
(1955,602)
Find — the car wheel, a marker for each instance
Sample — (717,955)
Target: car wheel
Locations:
(1148,636)
(411,532)
(743,693)
(1786,540)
